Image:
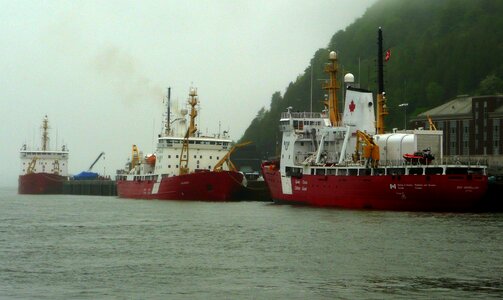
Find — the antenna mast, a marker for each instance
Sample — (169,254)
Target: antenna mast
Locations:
(193,111)
(184,156)
(332,87)
(381,99)
(168,114)
(45,134)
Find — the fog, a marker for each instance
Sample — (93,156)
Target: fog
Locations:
(100,69)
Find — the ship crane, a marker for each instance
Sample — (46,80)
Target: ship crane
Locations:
(135,158)
(92,165)
(31,165)
(227,159)
(432,125)
(370,149)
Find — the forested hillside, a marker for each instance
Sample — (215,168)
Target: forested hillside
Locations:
(439,49)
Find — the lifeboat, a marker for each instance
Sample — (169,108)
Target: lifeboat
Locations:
(151,159)
(419,157)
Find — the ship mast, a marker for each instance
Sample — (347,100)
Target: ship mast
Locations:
(184,156)
(331,86)
(193,112)
(167,126)
(45,134)
(381,99)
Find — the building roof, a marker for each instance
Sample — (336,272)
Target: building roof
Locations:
(462,105)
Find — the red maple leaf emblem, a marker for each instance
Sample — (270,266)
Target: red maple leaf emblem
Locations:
(352,106)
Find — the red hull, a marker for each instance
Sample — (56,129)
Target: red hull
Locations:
(41,183)
(206,186)
(387,192)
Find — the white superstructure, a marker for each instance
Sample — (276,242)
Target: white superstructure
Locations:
(44,160)
(201,153)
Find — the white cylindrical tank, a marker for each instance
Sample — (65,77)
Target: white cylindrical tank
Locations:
(392,146)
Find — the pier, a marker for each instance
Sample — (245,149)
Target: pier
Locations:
(90,187)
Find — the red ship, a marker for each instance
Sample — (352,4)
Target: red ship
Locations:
(346,160)
(43,171)
(185,165)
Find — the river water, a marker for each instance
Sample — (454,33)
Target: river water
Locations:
(86,247)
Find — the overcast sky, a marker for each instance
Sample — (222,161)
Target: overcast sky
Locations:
(100,69)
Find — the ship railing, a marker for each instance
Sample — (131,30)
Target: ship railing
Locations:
(394,168)
(466,161)
(302,115)
(473,163)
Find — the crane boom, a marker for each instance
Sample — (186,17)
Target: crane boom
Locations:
(31,165)
(432,125)
(227,158)
(99,156)
(370,149)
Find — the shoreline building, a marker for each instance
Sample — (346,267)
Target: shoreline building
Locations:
(472,128)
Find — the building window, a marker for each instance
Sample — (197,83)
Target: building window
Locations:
(466,137)
(452,138)
(496,136)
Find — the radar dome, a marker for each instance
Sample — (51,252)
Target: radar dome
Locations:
(333,55)
(349,77)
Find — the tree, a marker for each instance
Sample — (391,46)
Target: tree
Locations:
(490,85)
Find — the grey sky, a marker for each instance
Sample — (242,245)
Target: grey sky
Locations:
(99,69)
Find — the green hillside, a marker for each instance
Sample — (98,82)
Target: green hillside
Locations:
(439,49)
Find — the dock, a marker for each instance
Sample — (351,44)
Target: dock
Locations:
(90,187)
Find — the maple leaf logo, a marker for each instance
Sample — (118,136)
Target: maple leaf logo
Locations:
(352,106)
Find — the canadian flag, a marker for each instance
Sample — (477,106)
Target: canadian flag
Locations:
(388,55)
